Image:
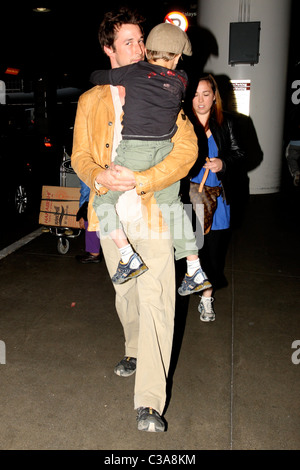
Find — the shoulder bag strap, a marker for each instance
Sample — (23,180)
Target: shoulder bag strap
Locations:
(204,178)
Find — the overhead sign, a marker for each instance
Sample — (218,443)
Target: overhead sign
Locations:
(177,18)
(12,71)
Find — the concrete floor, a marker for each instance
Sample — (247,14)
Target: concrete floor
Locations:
(233,383)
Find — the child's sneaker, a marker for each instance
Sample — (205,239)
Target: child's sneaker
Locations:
(206,309)
(195,283)
(135,267)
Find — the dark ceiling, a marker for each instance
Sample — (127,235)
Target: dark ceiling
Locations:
(65,39)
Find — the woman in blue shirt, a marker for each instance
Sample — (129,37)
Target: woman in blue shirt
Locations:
(217,140)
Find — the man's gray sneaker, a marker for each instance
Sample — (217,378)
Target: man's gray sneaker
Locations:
(195,283)
(206,309)
(135,267)
(126,366)
(149,420)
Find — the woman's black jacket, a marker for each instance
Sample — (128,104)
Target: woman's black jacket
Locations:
(229,152)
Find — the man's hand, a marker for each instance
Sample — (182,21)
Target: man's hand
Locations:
(117,178)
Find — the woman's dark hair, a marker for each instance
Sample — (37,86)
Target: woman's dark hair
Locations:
(112,22)
(217,109)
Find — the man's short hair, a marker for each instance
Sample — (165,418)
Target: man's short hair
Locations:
(112,22)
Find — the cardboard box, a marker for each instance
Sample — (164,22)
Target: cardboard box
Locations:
(59,206)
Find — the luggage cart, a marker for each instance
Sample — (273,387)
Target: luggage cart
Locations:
(68,178)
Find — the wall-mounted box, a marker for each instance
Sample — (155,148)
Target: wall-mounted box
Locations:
(244,43)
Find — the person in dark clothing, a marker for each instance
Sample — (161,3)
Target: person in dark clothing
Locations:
(292,152)
(154,94)
(216,139)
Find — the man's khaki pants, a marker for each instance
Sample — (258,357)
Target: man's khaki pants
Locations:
(146,307)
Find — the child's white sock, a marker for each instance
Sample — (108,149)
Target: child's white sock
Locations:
(125,253)
(192,266)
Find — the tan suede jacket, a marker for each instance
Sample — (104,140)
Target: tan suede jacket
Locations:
(92,146)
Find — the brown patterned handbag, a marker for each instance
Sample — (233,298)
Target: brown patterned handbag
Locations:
(206,195)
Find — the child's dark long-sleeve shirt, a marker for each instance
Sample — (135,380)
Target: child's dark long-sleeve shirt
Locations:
(153,98)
